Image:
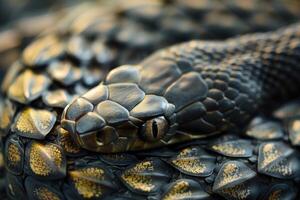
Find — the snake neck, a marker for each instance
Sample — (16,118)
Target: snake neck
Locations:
(223,84)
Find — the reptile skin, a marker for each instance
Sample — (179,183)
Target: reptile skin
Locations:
(180,119)
(186,92)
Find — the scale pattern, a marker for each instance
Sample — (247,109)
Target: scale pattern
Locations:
(43,162)
(252,165)
(186,92)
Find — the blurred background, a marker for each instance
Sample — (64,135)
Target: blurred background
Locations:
(16,9)
(21,20)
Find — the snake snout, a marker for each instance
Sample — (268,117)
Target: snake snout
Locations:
(88,128)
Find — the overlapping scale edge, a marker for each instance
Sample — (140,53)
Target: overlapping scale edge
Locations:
(14,152)
(42,190)
(57,98)
(280,191)
(147,176)
(120,159)
(123,74)
(127,195)
(64,72)
(232,147)
(91,181)
(15,188)
(193,161)
(265,130)
(2,171)
(7,113)
(184,189)
(28,86)
(42,51)
(293,129)
(93,75)
(67,143)
(291,109)
(34,123)
(14,70)
(279,160)
(233,181)
(45,160)
(79,48)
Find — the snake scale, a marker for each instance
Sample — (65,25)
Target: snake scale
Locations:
(186,92)
(194,120)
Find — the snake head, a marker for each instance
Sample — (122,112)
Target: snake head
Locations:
(117,115)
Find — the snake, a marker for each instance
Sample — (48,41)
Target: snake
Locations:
(185,92)
(156,100)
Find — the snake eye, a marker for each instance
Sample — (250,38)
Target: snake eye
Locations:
(154,129)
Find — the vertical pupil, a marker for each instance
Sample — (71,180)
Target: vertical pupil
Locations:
(154,129)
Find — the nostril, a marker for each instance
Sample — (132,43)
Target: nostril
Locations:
(99,139)
(106,136)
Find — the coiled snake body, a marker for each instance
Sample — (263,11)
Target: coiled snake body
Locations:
(186,92)
(174,125)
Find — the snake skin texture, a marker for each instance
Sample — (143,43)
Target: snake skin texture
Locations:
(46,158)
(186,92)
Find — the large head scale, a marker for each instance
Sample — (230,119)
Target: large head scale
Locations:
(118,116)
